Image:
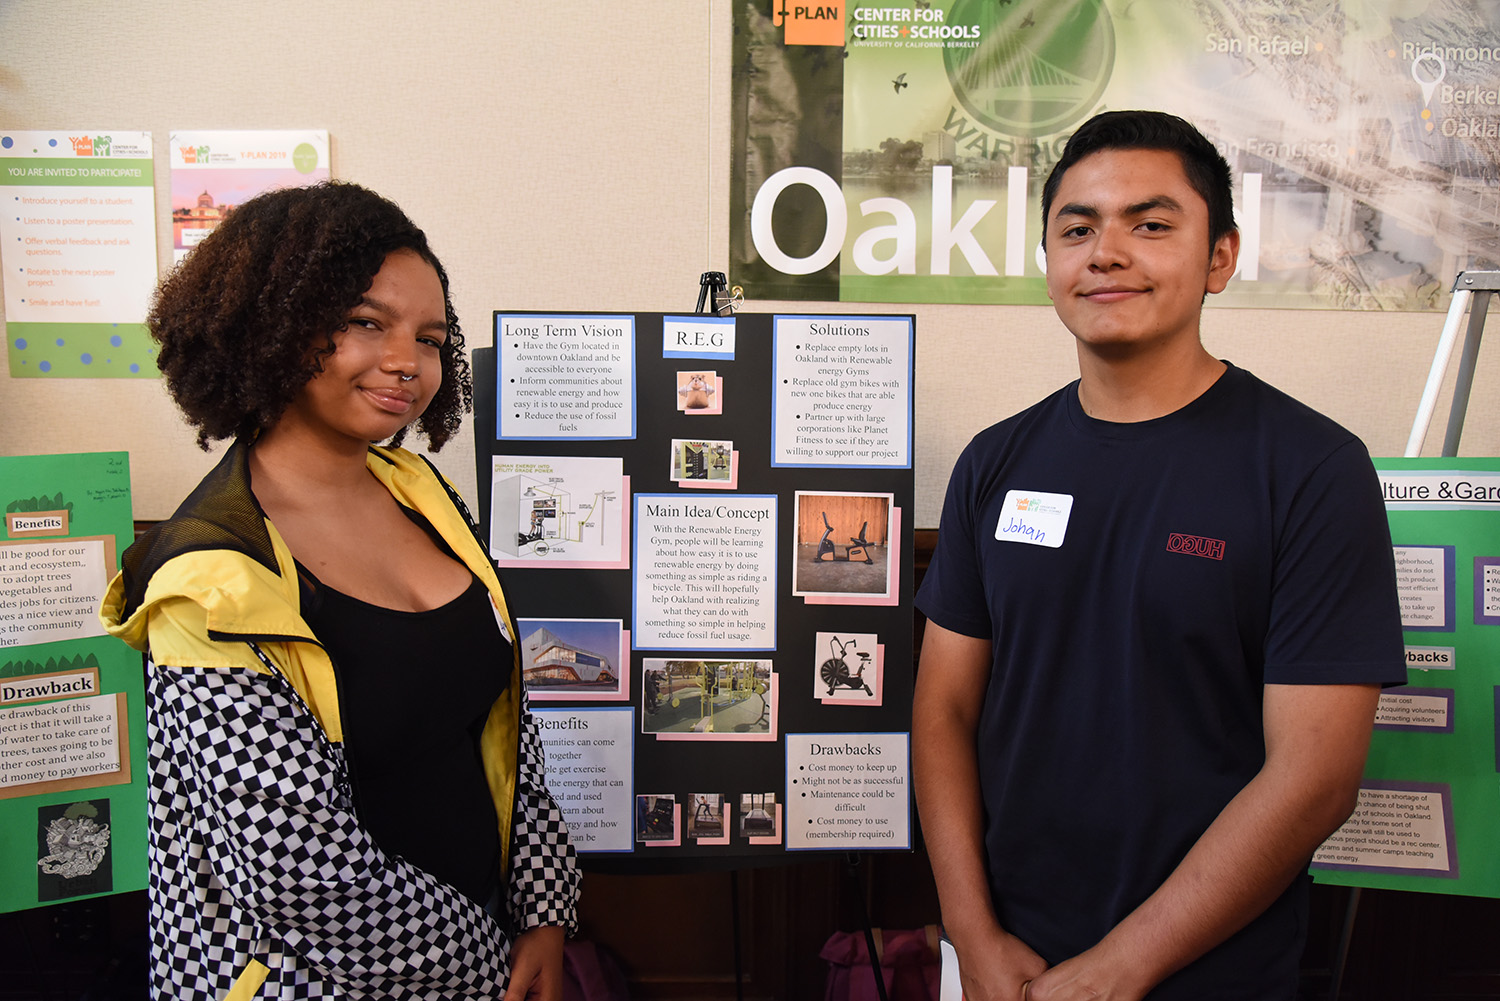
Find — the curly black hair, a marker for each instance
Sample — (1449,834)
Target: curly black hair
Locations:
(279,276)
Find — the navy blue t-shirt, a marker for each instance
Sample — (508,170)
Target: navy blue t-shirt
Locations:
(1151,579)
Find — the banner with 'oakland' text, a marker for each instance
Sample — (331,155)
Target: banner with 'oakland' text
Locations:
(895,150)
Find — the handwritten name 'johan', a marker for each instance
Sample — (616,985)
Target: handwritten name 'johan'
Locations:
(1016,526)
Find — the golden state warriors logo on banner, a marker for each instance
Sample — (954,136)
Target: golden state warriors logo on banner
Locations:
(1038,67)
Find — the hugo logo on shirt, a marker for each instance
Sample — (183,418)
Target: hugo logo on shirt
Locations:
(1195,545)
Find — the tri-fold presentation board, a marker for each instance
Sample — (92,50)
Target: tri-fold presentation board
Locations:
(704,528)
(1429,805)
(72,699)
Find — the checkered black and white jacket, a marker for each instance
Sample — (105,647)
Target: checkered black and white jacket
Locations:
(263,882)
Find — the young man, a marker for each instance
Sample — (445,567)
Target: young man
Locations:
(1160,612)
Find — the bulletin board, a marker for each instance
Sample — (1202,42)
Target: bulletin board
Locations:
(704,529)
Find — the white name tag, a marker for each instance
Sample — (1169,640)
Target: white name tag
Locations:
(1035,518)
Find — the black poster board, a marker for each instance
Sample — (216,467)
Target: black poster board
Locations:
(746,730)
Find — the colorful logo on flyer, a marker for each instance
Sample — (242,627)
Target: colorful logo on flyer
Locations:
(1039,67)
(90,145)
(1036,505)
(193,154)
(809,23)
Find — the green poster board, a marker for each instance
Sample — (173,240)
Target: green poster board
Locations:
(1429,808)
(72,703)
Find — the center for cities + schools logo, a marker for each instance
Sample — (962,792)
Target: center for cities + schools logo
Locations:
(1039,67)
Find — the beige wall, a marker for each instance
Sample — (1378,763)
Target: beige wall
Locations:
(563,155)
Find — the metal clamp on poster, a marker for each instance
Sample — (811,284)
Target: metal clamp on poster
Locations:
(704,525)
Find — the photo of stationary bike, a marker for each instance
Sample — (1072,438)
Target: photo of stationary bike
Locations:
(832,559)
(858,550)
(835,672)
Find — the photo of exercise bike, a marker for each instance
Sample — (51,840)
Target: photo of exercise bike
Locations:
(847,669)
(835,672)
(858,550)
(830,559)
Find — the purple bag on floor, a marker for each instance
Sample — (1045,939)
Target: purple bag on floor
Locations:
(909,965)
(591,973)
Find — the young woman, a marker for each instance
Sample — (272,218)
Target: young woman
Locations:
(346,793)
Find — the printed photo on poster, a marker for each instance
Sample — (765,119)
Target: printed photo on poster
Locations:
(73,850)
(706,821)
(582,659)
(700,392)
(849,669)
(701,461)
(760,818)
(843,544)
(559,511)
(732,699)
(657,820)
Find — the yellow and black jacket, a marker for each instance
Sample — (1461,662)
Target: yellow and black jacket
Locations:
(263,883)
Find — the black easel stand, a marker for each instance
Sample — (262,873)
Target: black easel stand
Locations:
(712,286)
(851,869)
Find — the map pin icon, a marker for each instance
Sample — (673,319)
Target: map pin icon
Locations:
(1428,86)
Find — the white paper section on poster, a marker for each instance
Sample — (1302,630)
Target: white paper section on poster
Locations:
(213,172)
(565,376)
(705,572)
(77,248)
(549,509)
(50,590)
(842,391)
(1415,709)
(848,790)
(589,754)
(53,741)
(1422,581)
(1394,829)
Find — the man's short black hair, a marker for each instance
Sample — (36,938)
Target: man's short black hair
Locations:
(1207,171)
